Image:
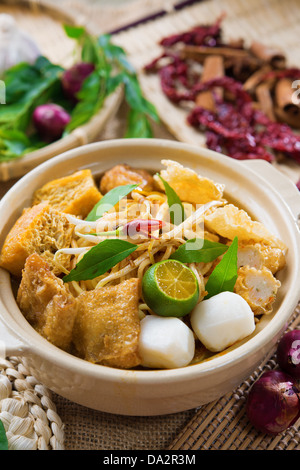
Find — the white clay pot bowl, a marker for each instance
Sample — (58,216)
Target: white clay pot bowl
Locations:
(255,185)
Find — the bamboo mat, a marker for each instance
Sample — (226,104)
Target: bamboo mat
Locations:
(222,424)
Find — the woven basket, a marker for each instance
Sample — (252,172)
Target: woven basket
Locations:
(27,411)
(43,22)
(273,22)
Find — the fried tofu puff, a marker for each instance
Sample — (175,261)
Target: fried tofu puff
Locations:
(120,175)
(40,229)
(46,302)
(107,326)
(189,186)
(75,194)
(258,287)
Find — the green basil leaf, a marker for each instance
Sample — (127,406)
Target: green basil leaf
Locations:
(135,98)
(113,82)
(138,126)
(99,259)
(198,250)
(114,52)
(26,87)
(177,215)
(74,32)
(224,276)
(109,201)
(3,438)
(91,98)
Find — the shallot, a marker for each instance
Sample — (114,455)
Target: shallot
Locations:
(73,78)
(288,353)
(273,403)
(50,120)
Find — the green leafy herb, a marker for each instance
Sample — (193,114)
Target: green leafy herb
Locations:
(91,98)
(177,215)
(30,85)
(99,259)
(110,200)
(3,438)
(224,276)
(141,110)
(115,53)
(112,69)
(74,32)
(27,86)
(199,250)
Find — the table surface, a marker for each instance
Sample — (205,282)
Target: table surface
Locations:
(84,428)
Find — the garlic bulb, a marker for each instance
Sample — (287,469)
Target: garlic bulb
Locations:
(15,45)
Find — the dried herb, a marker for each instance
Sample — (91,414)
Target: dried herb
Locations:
(236,126)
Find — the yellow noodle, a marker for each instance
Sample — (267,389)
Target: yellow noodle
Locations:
(144,205)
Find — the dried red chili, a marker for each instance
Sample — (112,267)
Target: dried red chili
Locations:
(208,35)
(241,131)
(237,128)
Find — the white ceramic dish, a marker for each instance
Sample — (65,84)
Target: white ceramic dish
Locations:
(268,195)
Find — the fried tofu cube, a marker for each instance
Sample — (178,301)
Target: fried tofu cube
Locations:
(107,326)
(40,229)
(120,175)
(46,302)
(76,194)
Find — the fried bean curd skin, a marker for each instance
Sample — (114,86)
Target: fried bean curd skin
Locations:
(107,326)
(76,194)
(46,302)
(189,186)
(40,229)
(258,287)
(120,175)
(229,221)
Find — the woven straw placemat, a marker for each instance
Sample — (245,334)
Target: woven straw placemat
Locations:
(221,424)
(27,411)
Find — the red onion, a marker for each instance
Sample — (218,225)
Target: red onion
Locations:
(50,120)
(73,78)
(288,353)
(273,403)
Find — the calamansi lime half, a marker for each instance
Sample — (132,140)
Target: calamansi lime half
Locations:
(170,289)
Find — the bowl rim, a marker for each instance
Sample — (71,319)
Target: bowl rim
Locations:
(33,339)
